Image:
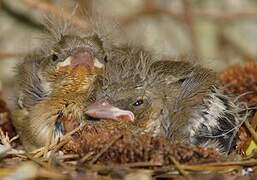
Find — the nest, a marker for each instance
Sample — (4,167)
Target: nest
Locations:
(121,146)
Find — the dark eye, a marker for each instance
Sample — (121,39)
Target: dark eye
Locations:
(182,80)
(105,59)
(54,57)
(138,102)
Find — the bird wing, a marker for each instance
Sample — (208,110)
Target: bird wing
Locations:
(31,88)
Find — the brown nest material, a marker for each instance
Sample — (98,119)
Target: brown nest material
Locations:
(241,80)
(117,144)
(5,119)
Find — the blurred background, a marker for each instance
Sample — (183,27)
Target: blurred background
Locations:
(214,33)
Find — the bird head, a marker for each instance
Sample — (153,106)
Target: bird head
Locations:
(70,59)
(69,63)
(124,93)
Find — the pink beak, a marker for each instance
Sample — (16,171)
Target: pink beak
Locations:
(104,110)
(83,58)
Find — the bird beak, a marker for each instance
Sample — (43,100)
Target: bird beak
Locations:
(82,58)
(104,110)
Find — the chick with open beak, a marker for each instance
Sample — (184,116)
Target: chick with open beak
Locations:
(178,100)
(54,85)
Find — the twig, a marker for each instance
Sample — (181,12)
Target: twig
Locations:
(50,8)
(5,140)
(69,156)
(86,6)
(43,173)
(62,143)
(49,139)
(14,138)
(8,55)
(21,17)
(189,19)
(208,14)
(143,164)
(5,171)
(38,161)
(219,166)
(237,48)
(85,158)
(105,149)
(219,15)
(150,9)
(181,169)
(46,171)
(250,129)
(39,152)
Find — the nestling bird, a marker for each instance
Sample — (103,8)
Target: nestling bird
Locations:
(54,83)
(175,99)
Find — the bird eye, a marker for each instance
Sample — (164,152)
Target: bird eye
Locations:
(138,102)
(105,59)
(182,80)
(54,57)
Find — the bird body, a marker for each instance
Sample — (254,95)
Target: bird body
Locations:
(175,99)
(54,84)
(46,115)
